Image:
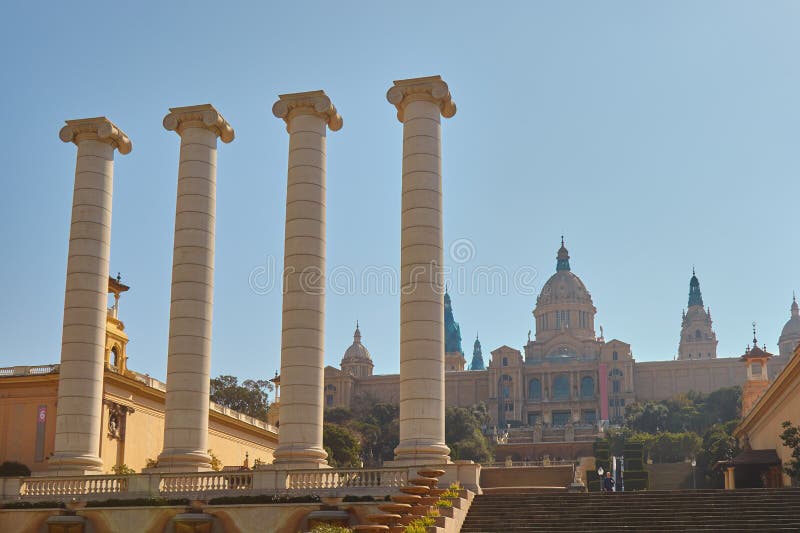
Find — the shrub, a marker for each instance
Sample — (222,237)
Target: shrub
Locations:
(444,502)
(139,502)
(263,498)
(122,470)
(33,505)
(14,469)
(420,525)
(351,498)
(330,528)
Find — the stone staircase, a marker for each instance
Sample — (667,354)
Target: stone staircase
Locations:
(702,510)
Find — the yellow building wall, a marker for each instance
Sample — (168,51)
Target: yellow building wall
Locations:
(231,435)
(781,402)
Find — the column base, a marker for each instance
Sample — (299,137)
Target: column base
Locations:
(420,453)
(182,461)
(293,457)
(73,465)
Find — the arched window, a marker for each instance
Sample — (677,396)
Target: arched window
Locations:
(505,361)
(697,334)
(587,387)
(561,387)
(114,357)
(535,389)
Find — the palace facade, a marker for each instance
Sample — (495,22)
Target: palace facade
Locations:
(566,375)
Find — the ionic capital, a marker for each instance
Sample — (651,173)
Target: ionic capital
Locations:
(309,103)
(431,89)
(199,116)
(97,129)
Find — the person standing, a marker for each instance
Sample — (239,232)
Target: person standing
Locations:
(608,483)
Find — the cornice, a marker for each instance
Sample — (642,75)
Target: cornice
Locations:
(199,116)
(315,103)
(96,129)
(430,89)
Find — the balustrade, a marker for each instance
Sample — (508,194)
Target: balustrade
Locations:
(205,482)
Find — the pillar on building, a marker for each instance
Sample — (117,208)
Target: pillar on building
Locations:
(83,341)
(192,297)
(307,115)
(420,103)
(730,478)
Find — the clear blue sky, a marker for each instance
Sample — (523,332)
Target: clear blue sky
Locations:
(654,135)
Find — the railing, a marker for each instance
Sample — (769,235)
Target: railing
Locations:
(38,370)
(65,486)
(205,482)
(338,479)
(552,462)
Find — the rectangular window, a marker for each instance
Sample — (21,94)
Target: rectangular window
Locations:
(615,386)
(509,407)
(614,356)
(561,418)
(588,416)
(534,417)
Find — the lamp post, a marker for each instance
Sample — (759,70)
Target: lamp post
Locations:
(694,481)
(600,476)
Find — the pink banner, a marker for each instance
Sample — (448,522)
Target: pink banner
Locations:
(603,378)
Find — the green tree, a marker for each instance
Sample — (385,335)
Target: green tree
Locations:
(651,417)
(464,436)
(718,445)
(250,398)
(791,439)
(342,445)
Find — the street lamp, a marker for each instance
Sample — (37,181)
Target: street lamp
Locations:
(600,476)
(694,482)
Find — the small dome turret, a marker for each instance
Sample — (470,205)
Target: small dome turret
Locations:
(790,335)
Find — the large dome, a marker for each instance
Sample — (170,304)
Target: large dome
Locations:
(357,352)
(563,286)
(792,327)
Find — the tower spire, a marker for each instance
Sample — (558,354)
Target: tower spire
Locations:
(562,258)
(695,296)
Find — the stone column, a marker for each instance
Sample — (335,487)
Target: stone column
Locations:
(420,102)
(307,116)
(190,314)
(83,342)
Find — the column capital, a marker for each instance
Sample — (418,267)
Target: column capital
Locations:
(309,103)
(97,129)
(199,116)
(431,89)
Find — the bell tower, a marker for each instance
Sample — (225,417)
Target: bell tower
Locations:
(698,340)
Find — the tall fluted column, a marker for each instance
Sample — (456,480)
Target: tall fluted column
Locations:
(80,379)
(307,116)
(192,300)
(420,102)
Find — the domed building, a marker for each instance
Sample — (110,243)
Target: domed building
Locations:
(568,376)
(790,335)
(357,361)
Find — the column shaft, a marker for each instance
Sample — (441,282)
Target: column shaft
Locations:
(420,103)
(307,117)
(192,297)
(80,380)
